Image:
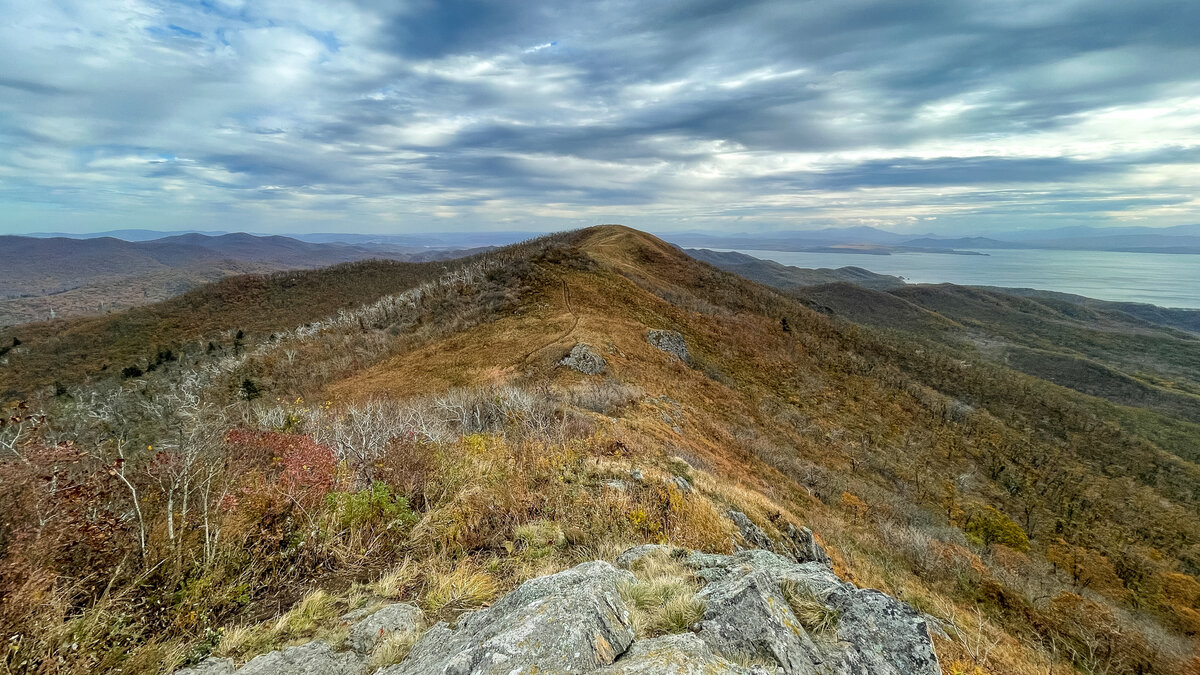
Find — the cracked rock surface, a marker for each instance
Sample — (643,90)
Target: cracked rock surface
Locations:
(765,612)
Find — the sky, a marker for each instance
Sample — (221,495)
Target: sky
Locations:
(952,116)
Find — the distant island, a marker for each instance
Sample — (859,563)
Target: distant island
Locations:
(879,249)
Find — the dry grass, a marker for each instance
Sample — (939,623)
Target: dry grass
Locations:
(663,599)
(790,421)
(463,588)
(315,615)
(398,581)
(813,614)
(394,647)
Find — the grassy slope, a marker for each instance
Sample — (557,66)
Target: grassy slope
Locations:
(785,424)
(74,350)
(766,409)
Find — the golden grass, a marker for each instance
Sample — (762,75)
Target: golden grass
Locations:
(315,615)
(394,647)
(398,581)
(809,610)
(662,599)
(463,588)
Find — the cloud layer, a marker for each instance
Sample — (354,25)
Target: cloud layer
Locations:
(373,115)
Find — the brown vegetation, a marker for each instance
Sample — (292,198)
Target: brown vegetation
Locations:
(429,449)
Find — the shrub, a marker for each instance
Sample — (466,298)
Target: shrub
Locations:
(986,526)
(376,505)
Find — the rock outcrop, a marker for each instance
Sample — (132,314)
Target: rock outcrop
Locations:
(804,547)
(395,618)
(751,533)
(210,666)
(585,360)
(798,544)
(682,654)
(764,613)
(570,622)
(671,342)
(314,658)
(749,611)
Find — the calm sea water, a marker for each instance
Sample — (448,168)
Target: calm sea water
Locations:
(1160,279)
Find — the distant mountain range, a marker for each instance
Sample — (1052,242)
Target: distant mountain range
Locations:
(455,240)
(868,240)
(46,277)
(862,240)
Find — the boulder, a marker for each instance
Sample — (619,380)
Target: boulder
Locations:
(671,342)
(570,622)
(682,654)
(395,618)
(210,666)
(314,658)
(747,612)
(631,556)
(584,359)
(804,546)
(751,533)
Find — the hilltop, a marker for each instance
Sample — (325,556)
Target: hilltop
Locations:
(439,433)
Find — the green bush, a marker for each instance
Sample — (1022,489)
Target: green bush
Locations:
(987,526)
(377,505)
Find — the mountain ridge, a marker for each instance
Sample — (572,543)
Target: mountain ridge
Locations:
(442,451)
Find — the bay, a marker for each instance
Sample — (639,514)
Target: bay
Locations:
(1166,280)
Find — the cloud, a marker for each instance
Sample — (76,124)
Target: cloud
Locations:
(369,115)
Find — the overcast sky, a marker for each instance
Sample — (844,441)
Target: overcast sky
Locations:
(952,116)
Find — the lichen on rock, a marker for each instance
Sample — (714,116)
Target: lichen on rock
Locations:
(570,622)
(671,342)
(585,360)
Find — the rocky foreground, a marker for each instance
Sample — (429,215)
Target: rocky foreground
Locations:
(576,621)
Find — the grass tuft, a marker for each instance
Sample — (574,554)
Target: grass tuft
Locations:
(662,600)
(463,588)
(396,581)
(394,648)
(314,615)
(809,611)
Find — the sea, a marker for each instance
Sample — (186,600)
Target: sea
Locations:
(1167,280)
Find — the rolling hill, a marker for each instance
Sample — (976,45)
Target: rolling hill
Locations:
(431,435)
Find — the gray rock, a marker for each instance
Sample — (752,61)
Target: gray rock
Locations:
(682,483)
(584,359)
(618,485)
(314,658)
(682,654)
(751,533)
(570,622)
(396,618)
(671,342)
(637,475)
(884,636)
(804,546)
(747,612)
(631,556)
(210,666)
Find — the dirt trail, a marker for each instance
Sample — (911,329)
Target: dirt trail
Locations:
(574,323)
